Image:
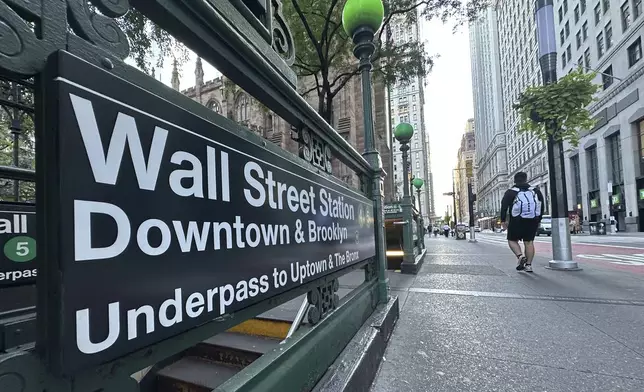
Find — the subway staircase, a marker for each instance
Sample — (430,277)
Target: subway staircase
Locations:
(218,363)
(209,364)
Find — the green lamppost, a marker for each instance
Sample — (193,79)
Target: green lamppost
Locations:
(418,184)
(361,20)
(403,134)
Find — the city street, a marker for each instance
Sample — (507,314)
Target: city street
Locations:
(470,322)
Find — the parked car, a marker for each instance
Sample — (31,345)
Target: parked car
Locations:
(545,227)
(477,229)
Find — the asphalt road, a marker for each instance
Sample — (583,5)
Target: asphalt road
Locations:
(610,251)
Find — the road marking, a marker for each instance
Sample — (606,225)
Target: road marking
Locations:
(503,242)
(526,296)
(636,259)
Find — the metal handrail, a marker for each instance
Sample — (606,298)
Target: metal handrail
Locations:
(17,173)
(298,317)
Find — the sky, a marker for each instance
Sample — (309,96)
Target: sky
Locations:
(448,102)
(448,98)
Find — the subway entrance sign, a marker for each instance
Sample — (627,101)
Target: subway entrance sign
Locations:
(18,244)
(156,220)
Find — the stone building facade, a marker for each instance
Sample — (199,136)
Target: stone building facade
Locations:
(225,98)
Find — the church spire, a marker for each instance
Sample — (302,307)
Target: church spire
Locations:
(198,72)
(198,79)
(175,76)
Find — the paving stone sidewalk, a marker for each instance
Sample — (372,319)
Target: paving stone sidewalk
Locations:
(470,322)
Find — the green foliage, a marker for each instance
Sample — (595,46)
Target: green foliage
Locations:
(558,110)
(149,44)
(26,155)
(324,50)
(447,218)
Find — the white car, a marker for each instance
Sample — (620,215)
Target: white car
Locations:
(545,227)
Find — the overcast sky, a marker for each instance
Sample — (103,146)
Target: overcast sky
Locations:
(448,99)
(448,102)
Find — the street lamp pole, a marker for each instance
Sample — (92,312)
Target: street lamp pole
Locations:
(403,134)
(418,184)
(361,19)
(561,246)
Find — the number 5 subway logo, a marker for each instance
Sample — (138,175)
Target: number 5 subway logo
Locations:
(18,241)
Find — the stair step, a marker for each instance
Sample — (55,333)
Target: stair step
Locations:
(191,374)
(233,348)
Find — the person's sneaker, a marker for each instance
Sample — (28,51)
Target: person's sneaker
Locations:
(528,268)
(521,263)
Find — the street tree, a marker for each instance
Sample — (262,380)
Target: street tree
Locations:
(323,51)
(558,110)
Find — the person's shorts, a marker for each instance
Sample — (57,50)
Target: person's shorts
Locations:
(520,229)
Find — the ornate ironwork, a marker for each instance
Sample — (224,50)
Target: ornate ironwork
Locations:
(35,29)
(17,104)
(370,271)
(282,37)
(323,299)
(314,150)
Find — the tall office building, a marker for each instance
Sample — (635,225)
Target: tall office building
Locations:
(519,70)
(465,172)
(406,102)
(606,172)
(489,129)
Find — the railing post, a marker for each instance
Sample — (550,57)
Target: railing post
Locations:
(361,20)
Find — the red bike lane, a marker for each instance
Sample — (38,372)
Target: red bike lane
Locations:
(624,258)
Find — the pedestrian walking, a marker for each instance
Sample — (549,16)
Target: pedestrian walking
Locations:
(526,206)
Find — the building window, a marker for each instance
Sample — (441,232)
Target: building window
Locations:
(560,14)
(598,13)
(584,31)
(580,62)
(587,58)
(583,6)
(567,28)
(615,156)
(637,9)
(578,38)
(214,106)
(634,52)
(607,77)
(606,5)
(608,31)
(241,108)
(563,60)
(574,164)
(413,98)
(626,16)
(600,45)
(565,6)
(562,37)
(577,14)
(593,170)
(569,52)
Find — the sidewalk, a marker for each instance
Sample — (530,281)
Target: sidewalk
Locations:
(470,322)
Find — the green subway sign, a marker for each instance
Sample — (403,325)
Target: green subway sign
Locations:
(18,241)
